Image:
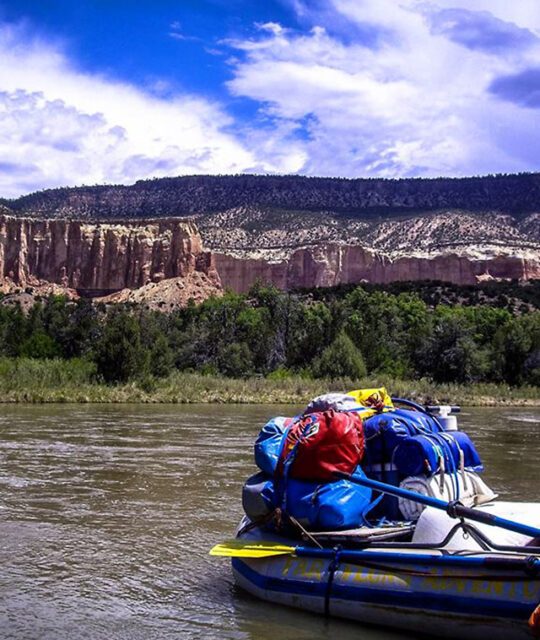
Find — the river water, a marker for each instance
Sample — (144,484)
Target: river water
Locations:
(107,514)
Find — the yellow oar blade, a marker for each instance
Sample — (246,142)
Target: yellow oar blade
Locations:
(241,549)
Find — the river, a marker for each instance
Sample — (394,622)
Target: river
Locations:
(107,514)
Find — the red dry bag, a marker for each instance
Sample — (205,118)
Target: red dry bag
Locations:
(320,443)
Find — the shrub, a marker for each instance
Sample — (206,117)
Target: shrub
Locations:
(341,359)
(235,360)
(147,383)
(161,357)
(120,354)
(281,373)
(39,345)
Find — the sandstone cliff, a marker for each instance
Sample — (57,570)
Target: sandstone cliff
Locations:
(293,231)
(99,258)
(309,249)
(162,263)
(327,265)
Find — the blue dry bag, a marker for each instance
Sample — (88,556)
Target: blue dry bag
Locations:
(421,454)
(328,506)
(269,444)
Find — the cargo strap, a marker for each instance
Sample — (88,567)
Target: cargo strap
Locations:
(332,568)
(282,486)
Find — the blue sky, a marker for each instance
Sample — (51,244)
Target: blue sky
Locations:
(109,91)
(145,41)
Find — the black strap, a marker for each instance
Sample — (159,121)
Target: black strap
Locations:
(332,568)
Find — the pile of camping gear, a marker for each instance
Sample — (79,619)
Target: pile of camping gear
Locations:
(308,464)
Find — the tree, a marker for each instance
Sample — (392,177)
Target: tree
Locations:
(120,355)
(39,345)
(310,331)
(255,328)
(451,354)
(386,328)
(161,357)
(84,329)
(235,360)
(341,359)
(13,330)
(517,349)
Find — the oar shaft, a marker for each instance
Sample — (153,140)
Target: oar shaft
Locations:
(239,548)
(495,521)
(454,510)
(347,555)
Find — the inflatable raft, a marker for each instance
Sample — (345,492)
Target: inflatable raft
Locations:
(453,571)
(450,590)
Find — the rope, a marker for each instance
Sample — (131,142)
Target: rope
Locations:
(270,517)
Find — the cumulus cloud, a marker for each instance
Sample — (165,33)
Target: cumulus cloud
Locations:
(59,126)
(413,98)
(361,88)
(522,88)
(481,30)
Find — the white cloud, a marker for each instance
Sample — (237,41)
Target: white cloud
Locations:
(272,27)
(59,126)
(370,87)
(412,100)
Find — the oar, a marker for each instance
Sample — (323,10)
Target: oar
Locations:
(238,548)
(453,509)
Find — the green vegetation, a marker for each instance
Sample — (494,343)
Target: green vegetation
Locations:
(163,197)
(518,297)
(340,359)
(270,346)
(76,380)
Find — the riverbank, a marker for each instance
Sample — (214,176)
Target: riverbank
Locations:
(39,381)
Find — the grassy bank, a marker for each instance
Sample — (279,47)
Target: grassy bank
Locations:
(42,381)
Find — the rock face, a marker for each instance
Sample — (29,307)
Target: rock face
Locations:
(304,250)
(99,258)
(331,264)
(293,231)
(162,263)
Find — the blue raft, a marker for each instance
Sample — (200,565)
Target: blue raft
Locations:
(458,590)
(360,560)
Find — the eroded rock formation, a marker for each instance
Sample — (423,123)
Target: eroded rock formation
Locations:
(170,294)
(162,262)
(99,258)
(293,231)
(331,264)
